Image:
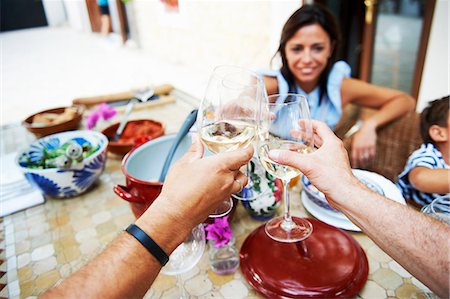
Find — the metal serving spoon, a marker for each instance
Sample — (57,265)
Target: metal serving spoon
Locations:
(140,95)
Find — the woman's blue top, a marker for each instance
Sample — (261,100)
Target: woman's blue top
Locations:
(330,109)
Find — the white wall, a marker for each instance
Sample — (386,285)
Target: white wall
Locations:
(435,77)
(77,15)
(204,34)
(279,13)
(54,12)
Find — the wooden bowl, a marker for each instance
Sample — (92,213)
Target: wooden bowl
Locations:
(68,125)
(155,129)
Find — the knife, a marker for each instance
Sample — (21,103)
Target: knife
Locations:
(122,97)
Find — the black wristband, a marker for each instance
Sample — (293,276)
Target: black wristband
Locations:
(148,243)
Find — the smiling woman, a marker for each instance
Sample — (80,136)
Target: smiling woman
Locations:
(308,47)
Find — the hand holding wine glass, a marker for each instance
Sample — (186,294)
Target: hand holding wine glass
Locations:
(289,128)
(228,114)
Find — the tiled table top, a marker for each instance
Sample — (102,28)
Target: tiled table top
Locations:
(45,244)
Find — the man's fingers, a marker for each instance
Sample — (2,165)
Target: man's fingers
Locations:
(293,159)
(240,181)
(236,159)
(323,131)
(195,151)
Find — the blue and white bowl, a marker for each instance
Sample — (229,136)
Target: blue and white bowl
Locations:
(318,198)
(62,183)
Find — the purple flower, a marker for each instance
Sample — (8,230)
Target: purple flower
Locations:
(220,232)
(106,111)
(92,120)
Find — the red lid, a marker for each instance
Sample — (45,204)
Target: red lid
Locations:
(329,263)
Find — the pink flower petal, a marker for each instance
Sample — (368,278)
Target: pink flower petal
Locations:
(92,119)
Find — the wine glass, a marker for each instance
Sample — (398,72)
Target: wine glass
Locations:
(289,126)
(439,209)
(228,114)
(186,256)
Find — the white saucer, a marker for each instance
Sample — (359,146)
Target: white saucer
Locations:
(319,213)
(390,191)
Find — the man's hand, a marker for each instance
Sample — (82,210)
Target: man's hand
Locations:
(196,185)
(325,165)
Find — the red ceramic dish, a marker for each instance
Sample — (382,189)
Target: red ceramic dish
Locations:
(135,133)
(328,264)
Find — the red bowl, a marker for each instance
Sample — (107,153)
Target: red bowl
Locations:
(150,130)
(142,167)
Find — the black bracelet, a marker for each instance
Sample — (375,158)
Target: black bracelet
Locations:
(148,243)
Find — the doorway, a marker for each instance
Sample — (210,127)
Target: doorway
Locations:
(385,40)
(21,14)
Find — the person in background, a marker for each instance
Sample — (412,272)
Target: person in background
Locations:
(427,172)
(308,46)
(126,269)
(105,17)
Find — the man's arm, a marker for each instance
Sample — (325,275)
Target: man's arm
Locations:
(417,242)
(420,244)
(430,180)
(126,269)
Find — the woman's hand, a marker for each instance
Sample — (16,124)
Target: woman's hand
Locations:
(364,145)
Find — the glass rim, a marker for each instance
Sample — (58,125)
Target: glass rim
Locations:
(223,66)
(289,94)
(442,200)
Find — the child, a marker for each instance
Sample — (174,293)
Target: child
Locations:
(427,172)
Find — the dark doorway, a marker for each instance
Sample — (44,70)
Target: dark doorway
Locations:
(350,17)
(384,41)
(21,14)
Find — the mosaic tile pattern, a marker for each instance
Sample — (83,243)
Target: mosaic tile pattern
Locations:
(45,244)
(3,276)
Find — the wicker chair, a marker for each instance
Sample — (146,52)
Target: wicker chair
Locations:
(395,143)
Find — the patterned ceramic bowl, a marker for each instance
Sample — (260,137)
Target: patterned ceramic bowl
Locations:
(72,172)
(262,196)
(317,197)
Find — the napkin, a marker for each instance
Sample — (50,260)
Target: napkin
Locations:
(16,193)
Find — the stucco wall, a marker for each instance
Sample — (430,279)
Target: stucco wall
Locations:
(204,34)
(435,78)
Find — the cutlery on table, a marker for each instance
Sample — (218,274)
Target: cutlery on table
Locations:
(123,98)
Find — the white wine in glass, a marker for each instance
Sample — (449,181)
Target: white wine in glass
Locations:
(227,135)
(228,115)
(289,128)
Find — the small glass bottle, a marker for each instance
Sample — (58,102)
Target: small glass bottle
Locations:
(224,259)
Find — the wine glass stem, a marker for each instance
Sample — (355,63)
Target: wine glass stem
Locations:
(287,223)
(183,294)
(247,173)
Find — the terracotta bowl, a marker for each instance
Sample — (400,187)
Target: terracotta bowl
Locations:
(124,145)
(68,125)
(142,167)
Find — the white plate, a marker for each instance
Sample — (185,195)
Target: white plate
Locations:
(390,190)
